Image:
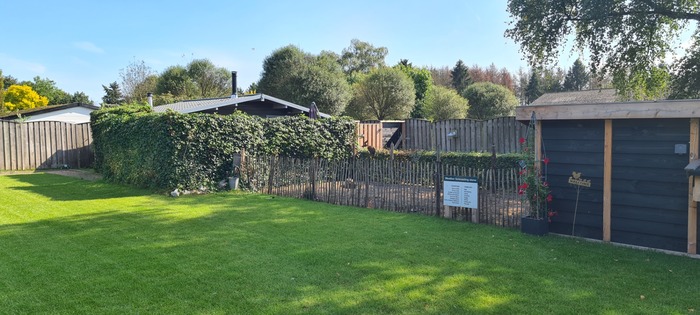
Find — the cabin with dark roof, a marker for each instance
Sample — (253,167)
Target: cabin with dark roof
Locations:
(261,105)
(634,155)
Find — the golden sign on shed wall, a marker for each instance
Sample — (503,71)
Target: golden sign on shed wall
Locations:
(576,179)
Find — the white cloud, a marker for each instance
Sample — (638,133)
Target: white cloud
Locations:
(89,47)
(16,66)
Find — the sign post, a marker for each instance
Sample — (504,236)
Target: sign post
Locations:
(461,191)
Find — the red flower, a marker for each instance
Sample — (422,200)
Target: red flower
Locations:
(546,161)
(549,198)
(521,140)
(551,214)
(522,188)
(523,171)
(545,184)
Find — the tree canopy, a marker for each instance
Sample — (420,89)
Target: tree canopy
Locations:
(291,74)
(460,76)
(19,97)
(624,38)
(488,100)
(444,103)
(384,93)
(113,94)
(577,77)
(362,57)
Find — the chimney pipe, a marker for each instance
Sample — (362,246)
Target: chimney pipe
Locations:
(234,84)
(150,99)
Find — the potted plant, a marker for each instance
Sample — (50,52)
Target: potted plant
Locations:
(535,190)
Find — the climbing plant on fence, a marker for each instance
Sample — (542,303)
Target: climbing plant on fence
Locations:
(135,146)
(477,160)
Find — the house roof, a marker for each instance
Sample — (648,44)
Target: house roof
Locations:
(194,106)
(45,109)
(598,96)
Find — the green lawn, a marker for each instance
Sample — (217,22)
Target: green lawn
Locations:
(73,246)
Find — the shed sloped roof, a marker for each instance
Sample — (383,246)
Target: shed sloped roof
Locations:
(599,96)
(195,106)
(45,109)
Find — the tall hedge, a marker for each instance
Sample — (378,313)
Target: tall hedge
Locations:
(165,151)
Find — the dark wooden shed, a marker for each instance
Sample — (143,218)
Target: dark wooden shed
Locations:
(634,154)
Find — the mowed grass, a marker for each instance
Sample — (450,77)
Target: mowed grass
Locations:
(72,246)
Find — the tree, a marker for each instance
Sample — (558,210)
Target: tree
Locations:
(686,82)
(210,80)
(577,77)
(444,103)
(134,81)
(302,78)
(9,81)
(460,76)
(441,76)
(488,100)
(624,38)
(492,74)
(19,97)
(2,91)
(80,97)
(384,93)
(533,89)
(113,95)
(362,57)
(422,83)
(652,84)
(48,88)
(521,85)
(176,81)
(552,80)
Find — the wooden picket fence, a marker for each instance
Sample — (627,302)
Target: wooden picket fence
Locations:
(44,144)
(401,186)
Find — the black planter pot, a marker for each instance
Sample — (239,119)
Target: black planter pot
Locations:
(533,226)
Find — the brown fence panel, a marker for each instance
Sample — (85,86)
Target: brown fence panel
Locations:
(464,135)
(44,144)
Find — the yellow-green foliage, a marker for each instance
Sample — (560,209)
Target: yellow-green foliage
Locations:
(19,97)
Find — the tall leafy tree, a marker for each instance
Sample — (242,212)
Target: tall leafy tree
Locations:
(80,97)
(422,83)
(444,103)
(134,81)
(113,94)
(488,100)
(176,81)
(48,88)
(362,57)
(211,81)
(19,97)
(522,80)
(384,93)
(9,81)
(686,81)
(652,84)
(460,76)
(623,37)
(577,77)
(302,78)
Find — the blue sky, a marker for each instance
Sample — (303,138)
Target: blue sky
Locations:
(82,45)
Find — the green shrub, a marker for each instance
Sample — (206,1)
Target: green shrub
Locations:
(189,151)
(465,159)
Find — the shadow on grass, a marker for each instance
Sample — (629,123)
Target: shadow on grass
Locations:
(244,254)
(57,187)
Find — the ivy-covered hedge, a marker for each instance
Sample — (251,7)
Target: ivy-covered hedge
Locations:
(465,159)
(135,146)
